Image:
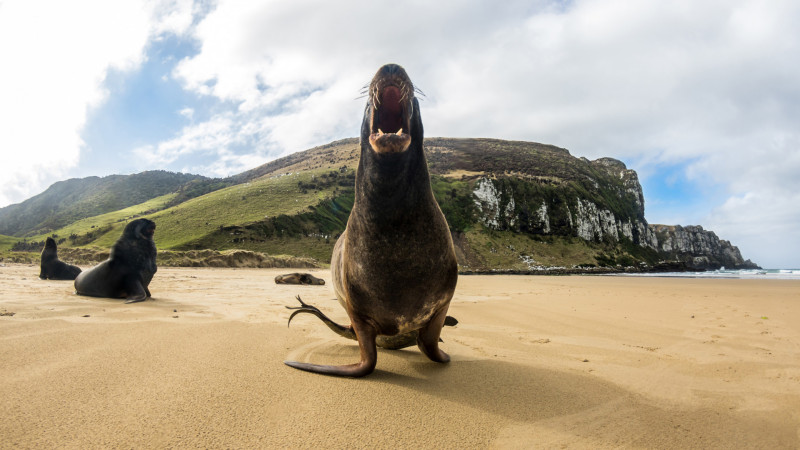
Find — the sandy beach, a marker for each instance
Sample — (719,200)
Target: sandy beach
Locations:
(537,362)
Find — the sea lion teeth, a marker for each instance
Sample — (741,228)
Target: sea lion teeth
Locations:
(380,132)
(399,132)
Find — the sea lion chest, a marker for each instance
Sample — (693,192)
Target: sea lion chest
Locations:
(399,273)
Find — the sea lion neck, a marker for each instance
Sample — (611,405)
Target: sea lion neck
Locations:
(391,182)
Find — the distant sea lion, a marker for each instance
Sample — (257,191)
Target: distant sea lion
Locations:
(395,342)
(394,268)
(52,268)
(299,278)
(129,268)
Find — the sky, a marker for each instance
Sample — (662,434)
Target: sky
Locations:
(700,98)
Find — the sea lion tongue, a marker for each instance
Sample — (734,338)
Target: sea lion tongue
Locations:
(387,121)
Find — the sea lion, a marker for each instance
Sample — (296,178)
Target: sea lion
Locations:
(52,268)
(394,268)
(299,278)
(395,342)
(129,268)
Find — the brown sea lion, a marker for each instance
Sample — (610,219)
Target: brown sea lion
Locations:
(394,267)
(51,268)
(299,278)
(395,342)
(129,268)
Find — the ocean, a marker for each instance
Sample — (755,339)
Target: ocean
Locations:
(759,274)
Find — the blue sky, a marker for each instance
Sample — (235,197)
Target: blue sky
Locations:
(144,107)
(700,98)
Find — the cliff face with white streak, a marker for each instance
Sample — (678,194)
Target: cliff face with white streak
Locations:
(507,204)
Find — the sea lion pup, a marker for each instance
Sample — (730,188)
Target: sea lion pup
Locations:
(129,268)
(299,278)
(395,342)
(394,267)
(52,268)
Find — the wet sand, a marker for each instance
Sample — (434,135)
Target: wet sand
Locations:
(537,362)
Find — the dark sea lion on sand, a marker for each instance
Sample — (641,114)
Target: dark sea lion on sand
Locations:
(129,268)
(299,278)
(394,268)
(52,268)
(395,342)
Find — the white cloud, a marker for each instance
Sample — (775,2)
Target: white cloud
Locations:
(763,224)
(55,58)
(709,85)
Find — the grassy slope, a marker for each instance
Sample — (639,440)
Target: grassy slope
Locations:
(115,219)
(6,242)
(235,205)
(517,251)
(68,201)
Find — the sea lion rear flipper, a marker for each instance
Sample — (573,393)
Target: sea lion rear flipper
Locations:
(428,340)
(369,356)
(343,331)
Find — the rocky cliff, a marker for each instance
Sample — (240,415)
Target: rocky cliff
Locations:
(504,204)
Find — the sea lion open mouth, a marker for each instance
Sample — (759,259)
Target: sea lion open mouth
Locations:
(390,94)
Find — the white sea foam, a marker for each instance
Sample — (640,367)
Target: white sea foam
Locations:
(768,274)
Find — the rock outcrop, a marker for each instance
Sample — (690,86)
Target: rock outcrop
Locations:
(502,205)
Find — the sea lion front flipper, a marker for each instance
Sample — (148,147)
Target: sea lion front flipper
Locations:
(369,356)
(346,332)
(428,340)
(136,292)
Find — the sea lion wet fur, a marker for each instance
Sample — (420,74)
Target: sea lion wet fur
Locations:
(51,268)
(394,268)
(129,268)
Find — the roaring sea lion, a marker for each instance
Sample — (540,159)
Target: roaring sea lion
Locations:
(394,267)
(129,268)
(52,268)
(395,342)
(299,278)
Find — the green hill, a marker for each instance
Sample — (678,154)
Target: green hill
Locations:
(512,206)
(68,201)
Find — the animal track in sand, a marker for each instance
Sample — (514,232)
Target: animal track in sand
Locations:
(649,349)
(534,341)
(471,346)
